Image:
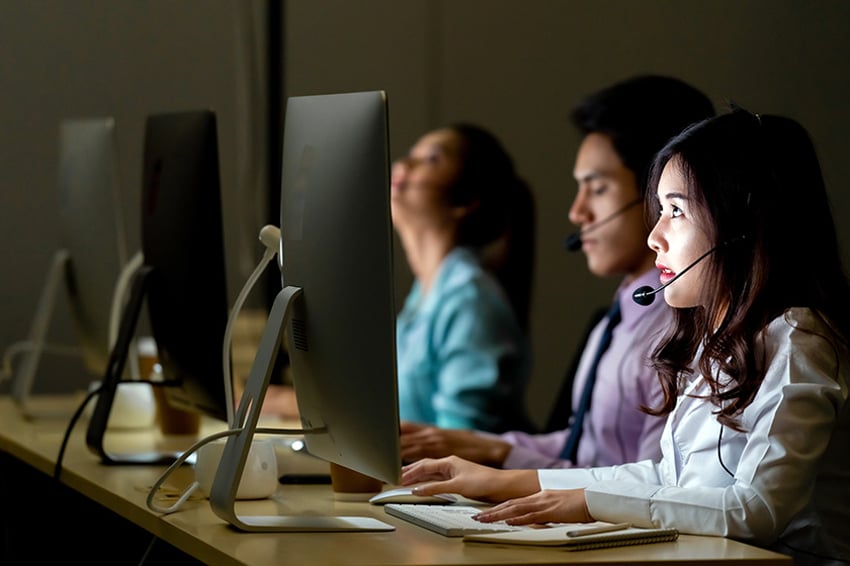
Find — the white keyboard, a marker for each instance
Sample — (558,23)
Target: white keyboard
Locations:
(447,520)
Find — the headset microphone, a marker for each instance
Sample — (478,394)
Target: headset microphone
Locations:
(573,241)
(645,295)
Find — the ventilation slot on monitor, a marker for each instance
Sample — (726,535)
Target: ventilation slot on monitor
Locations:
(299,335)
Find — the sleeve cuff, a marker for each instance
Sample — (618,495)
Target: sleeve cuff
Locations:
(618,501)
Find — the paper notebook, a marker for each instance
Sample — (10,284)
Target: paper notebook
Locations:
(572,537)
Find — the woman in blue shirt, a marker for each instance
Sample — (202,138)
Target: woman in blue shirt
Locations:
(465,221)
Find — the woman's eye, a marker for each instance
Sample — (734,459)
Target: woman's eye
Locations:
(675,211)
(598,190)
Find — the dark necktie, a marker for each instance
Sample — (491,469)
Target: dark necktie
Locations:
(571,446)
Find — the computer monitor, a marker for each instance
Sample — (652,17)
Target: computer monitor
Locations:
(89,263)
(183,277)
(93,232)
(337,303)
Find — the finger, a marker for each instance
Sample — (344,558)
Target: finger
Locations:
(434,487)
(423,470)
(520,511)
(408,427)
(533,518)
(497,513)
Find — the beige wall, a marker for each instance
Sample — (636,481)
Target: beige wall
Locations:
(515,67)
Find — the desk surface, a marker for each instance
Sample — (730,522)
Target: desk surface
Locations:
(196,530)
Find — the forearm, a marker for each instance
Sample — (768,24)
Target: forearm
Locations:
(512,484)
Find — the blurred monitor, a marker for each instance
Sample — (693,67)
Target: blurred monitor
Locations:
(336,303)
(88,265)
(92,231)
(183,277)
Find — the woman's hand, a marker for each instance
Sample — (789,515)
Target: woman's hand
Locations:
(456,475)
(548,506)
(425,441)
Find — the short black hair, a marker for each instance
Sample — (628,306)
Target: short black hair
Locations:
(640,115)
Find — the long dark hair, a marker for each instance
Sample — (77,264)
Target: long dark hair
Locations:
(757,182)
(502,225)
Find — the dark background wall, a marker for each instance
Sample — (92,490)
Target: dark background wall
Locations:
(515,67)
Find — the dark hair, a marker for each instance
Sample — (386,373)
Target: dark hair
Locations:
(757,181)
(640,115)
(502,224)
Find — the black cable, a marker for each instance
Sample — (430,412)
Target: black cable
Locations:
(57,469)
(719,455)
(148,551)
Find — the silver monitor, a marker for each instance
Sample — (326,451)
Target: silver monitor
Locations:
(91,258)
(337,303)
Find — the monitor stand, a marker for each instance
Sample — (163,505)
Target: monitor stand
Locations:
(38,406)
(235,454)
(63,405)
(114,369)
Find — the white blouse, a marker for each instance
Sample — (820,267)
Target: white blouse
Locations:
(791,487)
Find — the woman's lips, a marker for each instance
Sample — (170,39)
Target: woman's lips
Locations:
(666,274)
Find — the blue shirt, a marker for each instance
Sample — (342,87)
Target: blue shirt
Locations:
(463,360)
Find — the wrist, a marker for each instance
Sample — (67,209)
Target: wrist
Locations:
(519,483)
(588,518)
(498,453)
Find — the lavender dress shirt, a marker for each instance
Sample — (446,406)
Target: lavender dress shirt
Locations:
(615,430)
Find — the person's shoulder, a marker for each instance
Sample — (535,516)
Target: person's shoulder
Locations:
(463,277)
(804,332)
(460,266)
(467,291)
(797,320)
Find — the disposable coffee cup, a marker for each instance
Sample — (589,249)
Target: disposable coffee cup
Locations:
(349,485)
(171,420)
(259,477)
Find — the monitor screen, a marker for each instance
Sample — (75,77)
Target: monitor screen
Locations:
(91,257)
(182,278)
(337,303)
(183,244)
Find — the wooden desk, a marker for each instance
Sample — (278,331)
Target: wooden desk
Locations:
(196,531)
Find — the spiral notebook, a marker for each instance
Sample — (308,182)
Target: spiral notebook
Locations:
(579,537)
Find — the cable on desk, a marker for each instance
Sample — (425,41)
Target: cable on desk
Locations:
(155,507)
(152,505)
(57,469)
